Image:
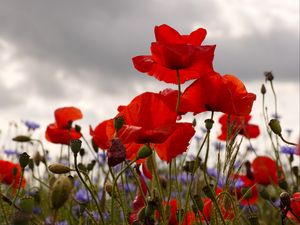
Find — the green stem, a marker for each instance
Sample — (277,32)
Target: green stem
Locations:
(113,189)
(88,188)
(4,213)
(19,187)
(179,91)
(285,141)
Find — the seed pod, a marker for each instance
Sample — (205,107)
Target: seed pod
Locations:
(61,191)
(275,126)
(24,160)
(22,138)
(144,152)
(209,124)
(76,145)
(58,168)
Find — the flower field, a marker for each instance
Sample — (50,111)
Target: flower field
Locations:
(158,160)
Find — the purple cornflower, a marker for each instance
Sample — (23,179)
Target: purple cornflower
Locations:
(218,146)
(31,125)
(102,158)
(239,183)
(36,210)
(64,222)
(10,152)
(129,187)
(288,150)
(276,116)
(83,196)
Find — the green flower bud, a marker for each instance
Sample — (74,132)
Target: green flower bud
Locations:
(265,194)
(194,122)
(82,152)
(61,191)
(26,204)
(76,146)
(77,128)
(24,160)
(275,126)
(269,76)
(208,191)
(263,89)
(285,199)
(118,123)
(58,168)
(209,124)
(95,147)
(22,138)
(198,201)
(144,152)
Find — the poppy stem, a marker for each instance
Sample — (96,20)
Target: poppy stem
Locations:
(285,141)
(19,187)
(88,188)
(114,186)
(179,91)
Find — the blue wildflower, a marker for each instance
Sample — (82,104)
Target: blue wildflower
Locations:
(64,222)
(239,183)
(288,150)
(129,187)
(218,145)
(83,196)
(36,210)
(10,152)
(31,125)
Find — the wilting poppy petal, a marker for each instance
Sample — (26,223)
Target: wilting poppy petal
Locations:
(177,143)
(65,115)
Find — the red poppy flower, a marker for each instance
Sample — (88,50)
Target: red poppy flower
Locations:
(264,170)
(10,174)
(207,211)
(225,94)
(188,219)
(237,124)
(242,185)
(149,119)
(172,52)
(295,207)
(138,202)
(59,132)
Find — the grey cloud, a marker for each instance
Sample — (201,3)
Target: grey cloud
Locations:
(94,41)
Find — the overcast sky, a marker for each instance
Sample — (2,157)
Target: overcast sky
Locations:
(61,53)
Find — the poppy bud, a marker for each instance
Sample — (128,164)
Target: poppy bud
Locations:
(26,204)
(22,138)
(295,171)
(116,153)
(90,166)
(285,200)
(58,168)
(82,167)
(37,158)
(76,146)
(265,194)
(31,164)
(269,76)
(275,126)
(263,89)
(209,124)
(253,219)
(95,147)
(199,203)
(283,184)
(246,192)
(118,123)
(77,128)
(61,191)
(82,152)
(108,188)
(24,160)
(141,215)
(144,152)
(208,191)
(194,122)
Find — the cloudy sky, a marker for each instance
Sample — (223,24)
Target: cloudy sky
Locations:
(62,53)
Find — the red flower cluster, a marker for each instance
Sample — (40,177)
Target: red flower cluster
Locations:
(237,125)
(10,174)
(61,132)
(148,119)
